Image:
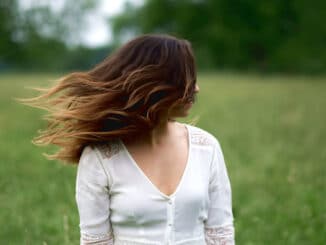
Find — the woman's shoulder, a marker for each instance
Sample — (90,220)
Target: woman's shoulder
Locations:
(200,136)
(103,150)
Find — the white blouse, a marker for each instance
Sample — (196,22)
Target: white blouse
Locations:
(119,205)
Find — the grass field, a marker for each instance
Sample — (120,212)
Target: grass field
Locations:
(272,131)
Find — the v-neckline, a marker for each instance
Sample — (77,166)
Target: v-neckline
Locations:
(148,179)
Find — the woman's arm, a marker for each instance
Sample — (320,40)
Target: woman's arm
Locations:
(219,227)
(92,197)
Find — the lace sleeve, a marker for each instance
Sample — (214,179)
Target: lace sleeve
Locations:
(223,235)
(86,239)
(219,229)
(92,197)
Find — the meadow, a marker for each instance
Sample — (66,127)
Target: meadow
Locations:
(272,130)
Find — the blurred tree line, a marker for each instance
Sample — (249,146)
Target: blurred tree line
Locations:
(276,35)
(269,36)
(42,39)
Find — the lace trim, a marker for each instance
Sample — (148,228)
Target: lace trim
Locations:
(219,235)
(201,138)
(109,149)
(87,239)
(197,136)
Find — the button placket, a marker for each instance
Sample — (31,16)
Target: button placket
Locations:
(170,212)
(170,221)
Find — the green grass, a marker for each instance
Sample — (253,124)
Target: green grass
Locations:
(272,131)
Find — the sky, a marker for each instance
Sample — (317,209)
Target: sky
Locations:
(98,32)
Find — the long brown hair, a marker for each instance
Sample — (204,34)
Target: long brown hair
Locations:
(121,97)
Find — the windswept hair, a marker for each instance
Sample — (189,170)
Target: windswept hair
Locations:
(121,97)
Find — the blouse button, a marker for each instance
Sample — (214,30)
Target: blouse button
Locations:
(170,202)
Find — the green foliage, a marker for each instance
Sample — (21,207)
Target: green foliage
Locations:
(8,47)
(272,132)
(284,36)
(268,36)
(39,38)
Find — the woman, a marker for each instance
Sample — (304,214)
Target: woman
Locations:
(143,177)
